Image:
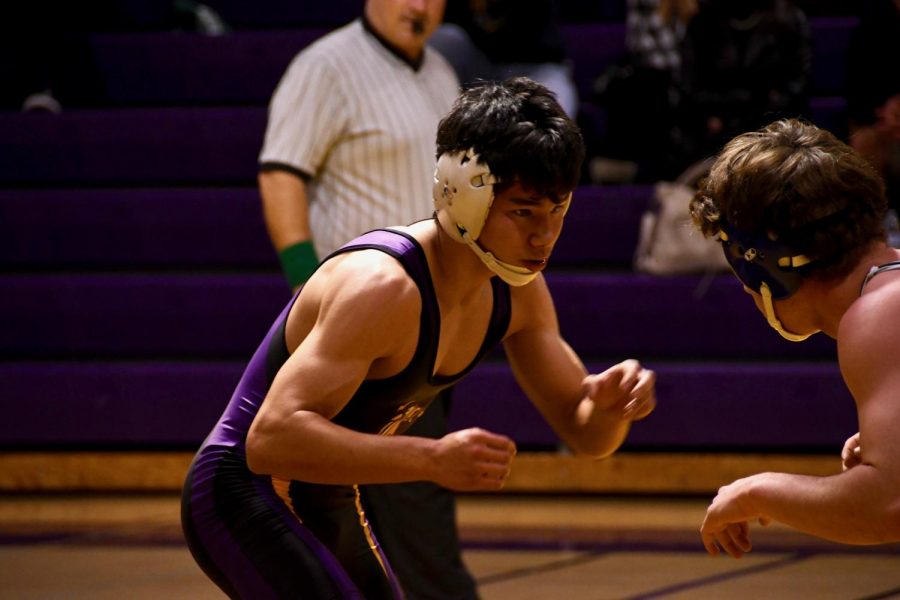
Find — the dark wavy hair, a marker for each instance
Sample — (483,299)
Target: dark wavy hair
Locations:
(801,185)
(519,129)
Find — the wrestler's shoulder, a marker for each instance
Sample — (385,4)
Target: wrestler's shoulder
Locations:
(371,275)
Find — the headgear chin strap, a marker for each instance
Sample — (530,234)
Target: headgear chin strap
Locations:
(511,274)
(772,318)
(463,194)
(767,267)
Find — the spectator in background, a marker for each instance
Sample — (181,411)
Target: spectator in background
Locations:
(655,29)
(744,64)
(873,82)
(495,39)
(640,95)
(349,147)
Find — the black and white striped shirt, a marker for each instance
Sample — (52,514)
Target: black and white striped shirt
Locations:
(360,121)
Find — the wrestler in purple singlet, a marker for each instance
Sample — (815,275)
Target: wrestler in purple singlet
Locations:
(261,537)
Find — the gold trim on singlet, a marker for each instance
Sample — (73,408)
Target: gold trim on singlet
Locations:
(364,523)
(282,490)
(406,415)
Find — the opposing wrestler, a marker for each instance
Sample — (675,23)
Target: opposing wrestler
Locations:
(800,216)
(270,506)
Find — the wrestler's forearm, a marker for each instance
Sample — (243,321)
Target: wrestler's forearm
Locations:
(307,447)
(600,432)
(858,506)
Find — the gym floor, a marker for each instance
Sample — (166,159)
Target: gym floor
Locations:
(518,546)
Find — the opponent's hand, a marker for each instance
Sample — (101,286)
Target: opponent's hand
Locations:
(474,460)
(727,521)
(627,388)
(851,454)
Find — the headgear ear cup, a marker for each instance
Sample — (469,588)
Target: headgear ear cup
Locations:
(767,267)
(463,193)
(757,259)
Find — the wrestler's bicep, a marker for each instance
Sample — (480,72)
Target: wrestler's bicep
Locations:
(361,323)
(321,375)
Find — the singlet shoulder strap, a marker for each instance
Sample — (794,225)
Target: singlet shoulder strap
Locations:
(891,266)
(500,316)
(401,246)
(409,253)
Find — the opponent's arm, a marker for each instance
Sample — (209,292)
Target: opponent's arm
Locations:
(861,505)
(361,328)
(591,413)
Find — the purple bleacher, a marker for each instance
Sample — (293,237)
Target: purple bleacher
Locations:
(607,314)
(281,14)
(753,407)
(152,404)
(747,407)
(168,146)
(213,145)
(152,315)
(592,47)
(178,68)
(221,228)
(602,226)
(184,228)
(787,405)
(158,15)
(831,42)
(138,276)
(225,315)
(830,112)
(579,11)
(135,146)
(243,67)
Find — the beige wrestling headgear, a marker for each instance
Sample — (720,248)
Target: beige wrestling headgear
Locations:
(463,194)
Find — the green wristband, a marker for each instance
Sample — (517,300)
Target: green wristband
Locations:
(298,262)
